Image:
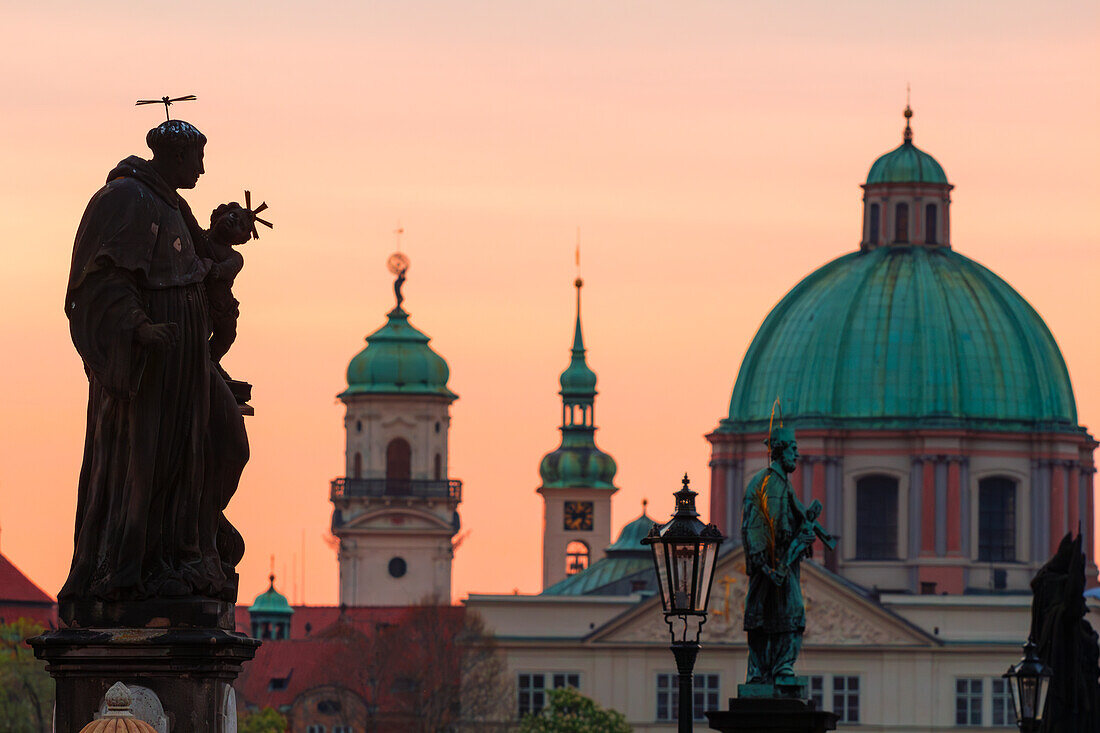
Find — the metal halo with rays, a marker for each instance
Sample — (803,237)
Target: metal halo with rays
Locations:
(167,102)
(253,212)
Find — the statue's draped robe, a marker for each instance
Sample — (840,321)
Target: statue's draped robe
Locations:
(151,493)
(768,607)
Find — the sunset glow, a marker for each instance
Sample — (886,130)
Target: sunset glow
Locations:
(710,152)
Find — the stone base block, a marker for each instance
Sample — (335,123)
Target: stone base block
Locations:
(190,670)
(786,687)
(189,611)
(771,715)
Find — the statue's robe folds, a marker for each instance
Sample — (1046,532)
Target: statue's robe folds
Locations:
(769,607)
(151,489)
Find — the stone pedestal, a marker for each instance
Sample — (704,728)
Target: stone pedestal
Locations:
(771,715)
(190,670)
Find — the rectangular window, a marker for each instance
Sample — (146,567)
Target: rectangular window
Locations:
(877,518)
(817,691)
(705,691)
(846,698)
(532,688)
(342,729)
(1004,714)
(968,702)
(315,729)
(996,519)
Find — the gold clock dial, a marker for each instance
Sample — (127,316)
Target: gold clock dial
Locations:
(578,515)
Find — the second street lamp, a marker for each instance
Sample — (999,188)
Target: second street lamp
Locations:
(684,553)
(1029,680)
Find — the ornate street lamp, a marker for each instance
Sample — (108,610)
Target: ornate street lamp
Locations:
(684,551)
(1029,680)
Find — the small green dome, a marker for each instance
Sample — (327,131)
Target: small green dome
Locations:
(577,466)
(270,603)
(904,337)
(631,536)
(398,360)
(906,164)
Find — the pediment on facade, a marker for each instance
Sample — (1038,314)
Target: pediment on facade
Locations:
(836,614)
(397,519)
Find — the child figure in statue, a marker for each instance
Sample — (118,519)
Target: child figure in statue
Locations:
(230,226)
(777,532)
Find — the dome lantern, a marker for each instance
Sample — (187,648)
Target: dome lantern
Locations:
(906,198)
(269,615)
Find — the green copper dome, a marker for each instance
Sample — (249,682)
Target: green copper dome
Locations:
(577,465)
(906,164)
(270,602)
(398,360)
(904,337)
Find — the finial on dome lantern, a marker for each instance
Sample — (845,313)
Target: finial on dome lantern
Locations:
(908,137)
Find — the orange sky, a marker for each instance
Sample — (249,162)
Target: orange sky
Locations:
(710,152)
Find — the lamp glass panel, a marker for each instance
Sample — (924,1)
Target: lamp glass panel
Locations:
(1013,684)
(708,551)
(1041,702)
(660,550)
(1029,694)
(684,564)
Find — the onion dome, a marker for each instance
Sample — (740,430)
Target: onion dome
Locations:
(625,557)
(397,358)
(904,337)
(119,718)
(578,463)
(906,163)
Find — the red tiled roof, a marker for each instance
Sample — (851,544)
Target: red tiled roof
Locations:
(339,653)
(17,587)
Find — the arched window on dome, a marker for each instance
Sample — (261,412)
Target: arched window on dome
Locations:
(398,466)
(357,466)
(997,519)
(930,224)
(877,518)
(873,224)
(576,557)
(901,222)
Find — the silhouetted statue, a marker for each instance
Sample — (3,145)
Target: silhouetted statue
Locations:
(1066,642)
(165,442)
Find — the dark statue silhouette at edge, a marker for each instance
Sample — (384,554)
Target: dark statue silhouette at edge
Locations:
(165,442)
(1066,642)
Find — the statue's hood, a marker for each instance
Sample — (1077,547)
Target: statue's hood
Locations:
(142,170)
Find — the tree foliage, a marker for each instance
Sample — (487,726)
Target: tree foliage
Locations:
(568,711)
(268,720)
(26,690)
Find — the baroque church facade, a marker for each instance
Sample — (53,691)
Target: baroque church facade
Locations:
(937,426)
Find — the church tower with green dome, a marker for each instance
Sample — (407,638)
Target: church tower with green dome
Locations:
(577,477)
(934,412)
(395,509)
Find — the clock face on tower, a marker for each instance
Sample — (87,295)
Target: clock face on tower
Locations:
(578,515)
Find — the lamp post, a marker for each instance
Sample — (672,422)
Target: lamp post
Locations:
(684,550)
(1029,680)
